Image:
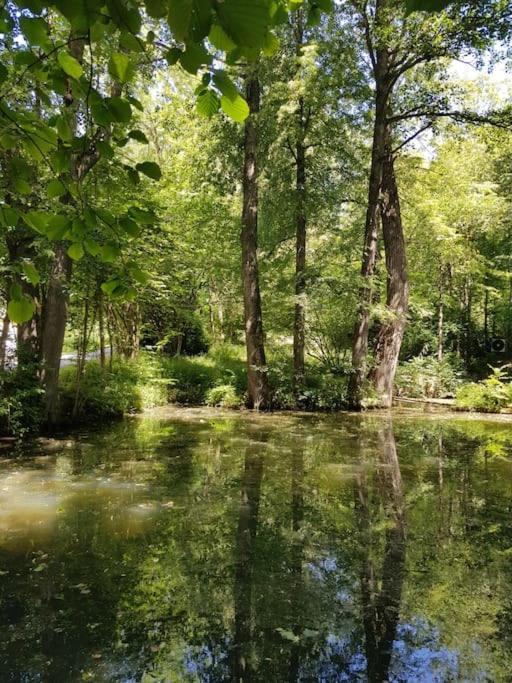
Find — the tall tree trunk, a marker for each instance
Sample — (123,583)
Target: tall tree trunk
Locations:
(3,340)
(440,319)
(56,304)
(101,328)
(299,325)
(55,316)
(257,379)
(362,326)
(389,340)
(54,328)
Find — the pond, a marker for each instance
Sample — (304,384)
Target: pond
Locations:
(200,546)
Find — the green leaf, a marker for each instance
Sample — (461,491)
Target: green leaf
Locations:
(76,251)
(99,110)
(220,39)
(129,226)
(30,272)
(139,136)
(194,57)
(245,21)
(207,104)
(120,67)
(35,30)
(142,216)
(109,253)
(150,169)
(426,5)
(179,17)
(64,129)
(139,275)
(325,5)
(125,16)
(236,109)
(105,149)
(92,247)
(225,85)
(3,73)
(57,227)
(110,287)
(22,186)
(21,310)
(119,108)
(37,220)
(56,189)
(70,65)
(156,8)
(271,45)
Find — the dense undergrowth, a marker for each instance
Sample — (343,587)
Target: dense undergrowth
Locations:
(218,378)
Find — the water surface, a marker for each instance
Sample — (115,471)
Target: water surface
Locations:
(201,546)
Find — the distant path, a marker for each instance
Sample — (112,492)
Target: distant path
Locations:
(70,358)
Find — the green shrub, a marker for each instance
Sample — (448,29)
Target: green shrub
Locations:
(428,377)
(192,378)
(223,396)
(489,396)
(21,402)
(129,386)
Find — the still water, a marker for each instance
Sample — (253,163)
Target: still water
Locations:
(199,546)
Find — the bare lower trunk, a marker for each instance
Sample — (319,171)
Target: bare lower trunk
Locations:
(54,329)
(101,329)
(389,340)
(257,380)
(440,322)
(362,326)
(3,341)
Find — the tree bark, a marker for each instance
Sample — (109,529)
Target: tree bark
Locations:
(101,329)
(257,379)
(440,320)
(3,340)
(54,328)
(362,326)
(299,325)
(389,340)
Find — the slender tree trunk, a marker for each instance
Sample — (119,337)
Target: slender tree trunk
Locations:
(389,340)
(362,326)
(55,314)
(3,340)
(257,379)
(440,320)
(54,328)
(101,329)
(299,326)
(486,319)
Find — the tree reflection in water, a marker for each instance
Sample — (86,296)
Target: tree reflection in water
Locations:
(381,593)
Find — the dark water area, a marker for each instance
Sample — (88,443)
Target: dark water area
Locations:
(203,546)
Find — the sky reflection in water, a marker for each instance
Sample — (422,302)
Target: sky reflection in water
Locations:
(198,546)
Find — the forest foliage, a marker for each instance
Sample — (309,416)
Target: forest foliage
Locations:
(149,151)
